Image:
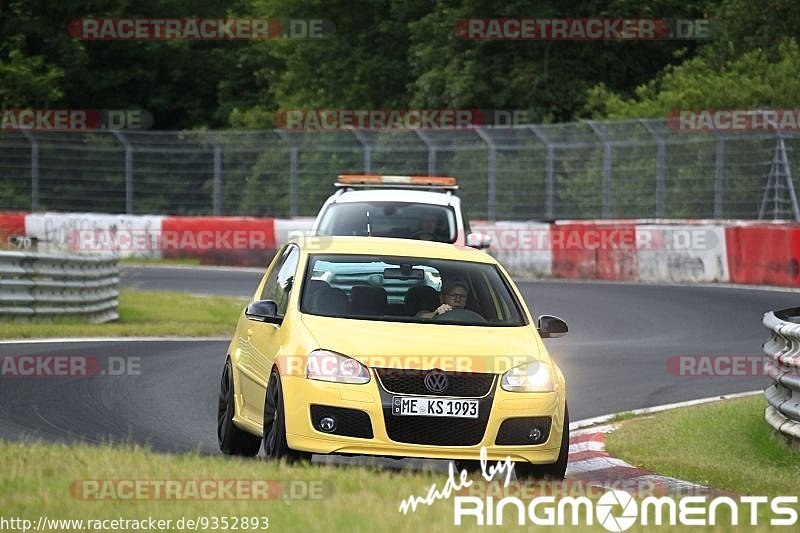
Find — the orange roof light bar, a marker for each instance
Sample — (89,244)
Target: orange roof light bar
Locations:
(433,181)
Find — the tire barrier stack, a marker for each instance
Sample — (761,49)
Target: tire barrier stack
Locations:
(35,285)
(783,365)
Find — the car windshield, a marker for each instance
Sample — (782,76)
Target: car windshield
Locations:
(390,219)
(408,289)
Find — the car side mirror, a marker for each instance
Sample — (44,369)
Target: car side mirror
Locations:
(479,240)
(263,311)
(551,327)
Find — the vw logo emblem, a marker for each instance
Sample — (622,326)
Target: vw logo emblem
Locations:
(436,381)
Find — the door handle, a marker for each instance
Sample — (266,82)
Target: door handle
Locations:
(249,332)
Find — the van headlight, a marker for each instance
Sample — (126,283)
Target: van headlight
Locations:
(324,365)
(529,377)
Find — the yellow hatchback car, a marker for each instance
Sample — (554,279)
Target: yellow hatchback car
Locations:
(393,347)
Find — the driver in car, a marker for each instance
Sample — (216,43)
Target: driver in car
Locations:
(430,228)
(454,296)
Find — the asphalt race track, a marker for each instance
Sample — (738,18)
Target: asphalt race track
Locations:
(614,359)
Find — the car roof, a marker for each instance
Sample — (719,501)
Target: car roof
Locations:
(395,195)
(347,245)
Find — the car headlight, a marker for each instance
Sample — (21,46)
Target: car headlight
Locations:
(324,365)
(529,377)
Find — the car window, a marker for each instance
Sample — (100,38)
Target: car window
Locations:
(390,219)
(408,289)
(279,284)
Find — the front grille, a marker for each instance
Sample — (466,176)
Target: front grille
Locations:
(349,422)
(437,431)
(516,431)
(462,384)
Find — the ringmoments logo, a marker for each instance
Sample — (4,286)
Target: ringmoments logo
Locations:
(615,510)
(618,511)
(605,510)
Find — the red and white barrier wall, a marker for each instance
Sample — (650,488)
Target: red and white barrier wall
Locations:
(519,246)
(766,254)
(611,249)
(11,225)
(636,250)
(243,241)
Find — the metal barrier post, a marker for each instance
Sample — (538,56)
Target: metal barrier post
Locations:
(294,154)
(719,175)
(661,156)
(34,169)
(216,195)
(549,174)
(431,151)
(607,168)
(128,170)
(491,201)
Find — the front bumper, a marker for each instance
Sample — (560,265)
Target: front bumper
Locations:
(301,393)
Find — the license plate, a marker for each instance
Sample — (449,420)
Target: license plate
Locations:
(447,407)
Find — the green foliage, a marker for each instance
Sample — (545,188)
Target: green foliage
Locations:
(750,63)
(753,80)
(382,54)
(23,77)
(548,79)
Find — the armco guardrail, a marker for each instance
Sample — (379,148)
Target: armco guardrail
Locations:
(36,285)
(783,396)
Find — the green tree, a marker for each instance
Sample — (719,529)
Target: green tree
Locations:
(753,80)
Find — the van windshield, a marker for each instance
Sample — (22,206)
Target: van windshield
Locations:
(390,219)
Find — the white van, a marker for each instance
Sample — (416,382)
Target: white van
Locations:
(406,207)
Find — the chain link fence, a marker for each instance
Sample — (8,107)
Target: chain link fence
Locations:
(621,169)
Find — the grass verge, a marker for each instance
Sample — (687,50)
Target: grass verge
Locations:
(726,445)
(144,313)
(40,480)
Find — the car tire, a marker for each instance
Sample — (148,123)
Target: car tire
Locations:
(554,471)
(232,440)
(275,446)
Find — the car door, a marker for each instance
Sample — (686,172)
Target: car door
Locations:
(263,339)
